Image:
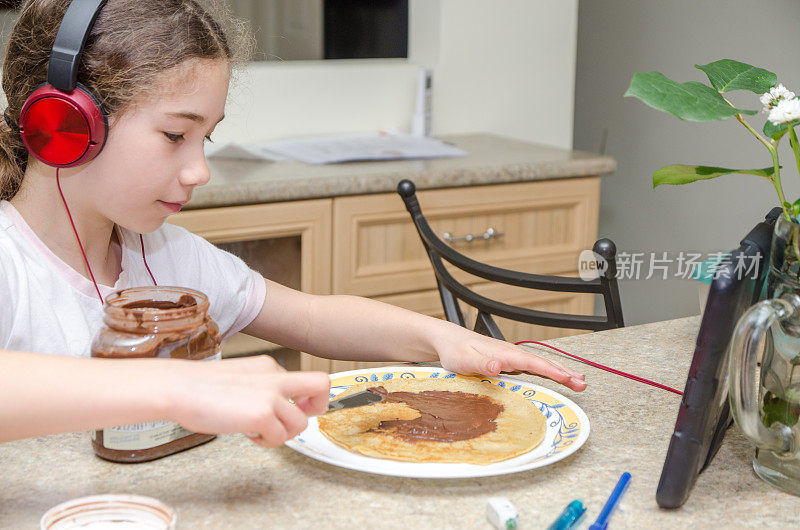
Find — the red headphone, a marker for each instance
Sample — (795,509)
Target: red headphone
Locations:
(62,123)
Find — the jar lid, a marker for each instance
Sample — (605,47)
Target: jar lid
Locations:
(110,512)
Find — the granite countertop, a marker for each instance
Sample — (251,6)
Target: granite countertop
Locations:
(232,483)
(491,160)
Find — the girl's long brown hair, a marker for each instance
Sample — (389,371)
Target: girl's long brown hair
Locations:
(131,43)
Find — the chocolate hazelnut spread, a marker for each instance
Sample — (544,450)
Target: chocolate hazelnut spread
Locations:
(147,322)
(184,301)
(444,416)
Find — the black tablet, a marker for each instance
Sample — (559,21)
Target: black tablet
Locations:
(704,413)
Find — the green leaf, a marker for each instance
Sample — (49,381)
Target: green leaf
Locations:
(775,132)
(691,101)
(726,75)
(777,410)
(683,174)
(794,208)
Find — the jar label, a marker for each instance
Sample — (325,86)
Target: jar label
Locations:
(149,434)
(143,435)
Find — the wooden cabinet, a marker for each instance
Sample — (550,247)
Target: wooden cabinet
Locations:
(287,242)
(366,245)
(542,227)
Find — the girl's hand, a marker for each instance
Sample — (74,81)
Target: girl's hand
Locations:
(249,395)
(470,353)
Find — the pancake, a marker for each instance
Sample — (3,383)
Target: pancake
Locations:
(437,420)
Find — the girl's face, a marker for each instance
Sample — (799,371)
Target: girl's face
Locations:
(153,157)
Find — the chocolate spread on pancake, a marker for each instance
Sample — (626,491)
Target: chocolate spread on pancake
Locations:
(444,416)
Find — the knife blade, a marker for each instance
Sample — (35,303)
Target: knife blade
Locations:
(359,399)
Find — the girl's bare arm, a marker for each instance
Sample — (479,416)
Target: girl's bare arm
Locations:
(43,394)
(354,328)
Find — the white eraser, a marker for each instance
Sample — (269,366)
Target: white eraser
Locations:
(501,513)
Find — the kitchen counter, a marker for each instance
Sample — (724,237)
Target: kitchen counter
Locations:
(491,160)
(231,483)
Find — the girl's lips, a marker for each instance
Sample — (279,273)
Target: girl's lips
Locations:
(172,206)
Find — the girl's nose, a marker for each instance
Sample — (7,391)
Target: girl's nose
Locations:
(196,173)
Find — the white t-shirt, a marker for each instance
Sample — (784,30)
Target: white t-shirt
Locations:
(48,307)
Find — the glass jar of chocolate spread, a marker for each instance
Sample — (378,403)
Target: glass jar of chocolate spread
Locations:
(145,322)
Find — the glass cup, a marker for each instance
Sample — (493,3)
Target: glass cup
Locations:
(764,377)
(110,512)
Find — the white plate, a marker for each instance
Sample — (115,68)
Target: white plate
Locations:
(567,430)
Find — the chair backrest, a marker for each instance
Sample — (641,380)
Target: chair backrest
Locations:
(451,290)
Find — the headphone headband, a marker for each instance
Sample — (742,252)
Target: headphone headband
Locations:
(62,70)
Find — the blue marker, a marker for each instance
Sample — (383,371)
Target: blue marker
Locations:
(602,520)
(569,516)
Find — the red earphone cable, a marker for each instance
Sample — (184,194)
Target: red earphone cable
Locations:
(606,368)
(83,252)
(75,231)
(141,240)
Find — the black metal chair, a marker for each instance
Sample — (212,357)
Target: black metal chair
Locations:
(451,290)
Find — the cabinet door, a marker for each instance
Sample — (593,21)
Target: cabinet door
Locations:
(429,303)
(289,243)
(539,227)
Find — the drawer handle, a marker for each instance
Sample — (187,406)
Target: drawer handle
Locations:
(490,233)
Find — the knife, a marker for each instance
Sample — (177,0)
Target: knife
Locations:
(359,399)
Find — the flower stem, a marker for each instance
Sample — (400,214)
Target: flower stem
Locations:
(761,139)
(772,147)
(795,146)
(777,183)
(796,149)
(776,175)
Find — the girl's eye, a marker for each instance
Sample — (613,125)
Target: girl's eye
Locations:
(173,137)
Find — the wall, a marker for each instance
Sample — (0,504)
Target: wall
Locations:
(504,67)
(619,37)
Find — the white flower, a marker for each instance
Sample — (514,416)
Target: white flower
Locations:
(781,92)
(785,111)
(775,95)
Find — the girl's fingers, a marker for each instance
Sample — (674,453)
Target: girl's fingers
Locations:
(519,360)
(551,370)
(309,390)
(557,365)
(491,359)
(578,385)
(286,422)
(304,404)
(293,419)
(318,403)
(312,385)
(476,362)
(271,434)
(312,407)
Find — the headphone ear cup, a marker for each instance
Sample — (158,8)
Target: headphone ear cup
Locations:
(63,129)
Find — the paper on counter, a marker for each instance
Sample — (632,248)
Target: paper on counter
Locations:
(370,146)
(242,152)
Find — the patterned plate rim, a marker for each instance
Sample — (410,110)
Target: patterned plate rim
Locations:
(572,431)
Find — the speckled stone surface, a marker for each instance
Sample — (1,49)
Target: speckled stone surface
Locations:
(231,483)
(491,160)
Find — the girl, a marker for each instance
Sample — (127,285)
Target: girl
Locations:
(160,69)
